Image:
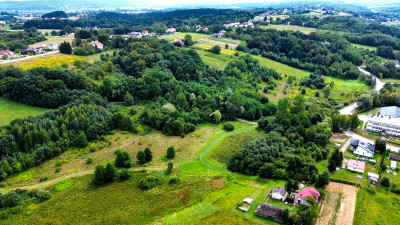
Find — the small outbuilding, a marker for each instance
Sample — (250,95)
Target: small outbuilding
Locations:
(269,211)
(373,178)
(393,165)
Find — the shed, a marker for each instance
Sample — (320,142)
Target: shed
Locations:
(269,211)
(393,165)
(248,200)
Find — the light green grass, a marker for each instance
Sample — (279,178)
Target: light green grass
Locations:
(195,36)
(379,208)
(305,30)
(64,184)
(225,40)
(11,110)
(370,48)
(59,38)
(212,61)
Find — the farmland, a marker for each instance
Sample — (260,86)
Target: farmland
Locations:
(305,30)
(51,61)
(10,110)
(52,40)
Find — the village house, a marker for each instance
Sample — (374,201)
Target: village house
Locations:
(145,32)
(9,53)
(71,35)
(135,34)
(268,211)
(301,197)
(198,27)
(187,27)
(356,166)
(53,46)
(279,194)
(205,30)
(373,178)
(362,148)
(178,39)
(97,45)
(394,157)
(387,122)
(170,30)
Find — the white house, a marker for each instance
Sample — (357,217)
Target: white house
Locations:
(388,121)
(279,194)
(393,165)
(53,46)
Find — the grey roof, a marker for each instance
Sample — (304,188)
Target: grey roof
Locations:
(394,157)
(390,111)
(279,190)
(354,142)
(269,211)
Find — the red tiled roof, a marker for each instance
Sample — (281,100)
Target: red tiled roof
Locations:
(2,52)
(308,191)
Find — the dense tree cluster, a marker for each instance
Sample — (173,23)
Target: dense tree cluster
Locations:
(19,40)
(294,141)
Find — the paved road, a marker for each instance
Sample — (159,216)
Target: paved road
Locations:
(348,110)
(379,84)
(356,136)
(27,57)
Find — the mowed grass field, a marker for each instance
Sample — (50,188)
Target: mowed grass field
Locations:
(305,30)
(370,48)
(208,47)
(382,207)
(10,110)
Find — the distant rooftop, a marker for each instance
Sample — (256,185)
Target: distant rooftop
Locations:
(394,120)
(390,111)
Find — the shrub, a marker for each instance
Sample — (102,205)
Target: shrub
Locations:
(169,168)
(123,159)
(216,49)
(170,152)
(385,182)
(124,175)
(148,155)
(42,195)
(58,169)
(229,127)
(141,157)
(11,199)
(174,180)
(89,160)
(149,182)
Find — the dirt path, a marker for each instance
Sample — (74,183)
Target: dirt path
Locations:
(219,42)
(347,208)
(329,208)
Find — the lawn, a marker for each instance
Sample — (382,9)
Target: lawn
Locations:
(371,48)
(208,47)
(213,60)
(305,30)
(379,208)
(195,36)
(11,110)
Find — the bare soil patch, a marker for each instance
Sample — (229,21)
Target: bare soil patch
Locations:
(340,137)
(329,208)
(345,214)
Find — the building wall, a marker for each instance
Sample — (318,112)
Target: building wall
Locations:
(391,129)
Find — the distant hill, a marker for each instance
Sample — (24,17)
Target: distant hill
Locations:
(55,14)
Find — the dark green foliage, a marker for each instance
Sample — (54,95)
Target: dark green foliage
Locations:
(170,152)
(216,49)
(103,175)
(11,199)
(89,160)
(141,157)
(65,48)
(228,127)
(149,182)
(314,81)
(111,173)
(148,154)
(306,215)
(55,14)
(41,195)
(385,182)
(124,175)
(291,185)
(81,140)
(123,159)
(323,179)
(285,216)
(267,171)
(188,41)
(380,145)
(335,160)
(354,121)
(174,180)
(169,168)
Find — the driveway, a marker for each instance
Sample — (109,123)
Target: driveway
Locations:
(356,136)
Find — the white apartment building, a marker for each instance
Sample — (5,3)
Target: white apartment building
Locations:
(388,121)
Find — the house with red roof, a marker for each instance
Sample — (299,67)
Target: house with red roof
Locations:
(97,45)
(7,52)
(170,30)
(205,30)
(301,197)
(145,32)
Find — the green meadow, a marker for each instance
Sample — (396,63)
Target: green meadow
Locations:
(11,110)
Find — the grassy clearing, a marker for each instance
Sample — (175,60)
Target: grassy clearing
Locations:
(51,61)
(117,203)
(233,143)
(379,208)
(225,40)
(305,30)
(10,110)
(218,57)
(195,36)
(370,48)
